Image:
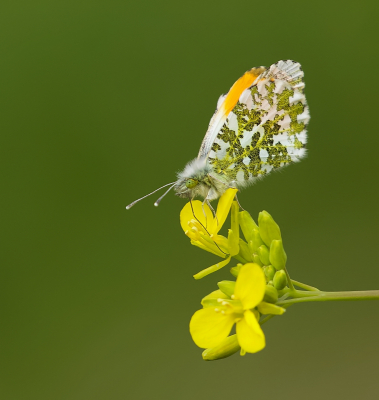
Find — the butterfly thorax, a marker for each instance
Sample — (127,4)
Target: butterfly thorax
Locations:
(199,179)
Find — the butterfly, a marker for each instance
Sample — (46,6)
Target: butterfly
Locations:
(259,126)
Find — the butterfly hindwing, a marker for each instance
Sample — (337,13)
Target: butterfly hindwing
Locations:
(266,129)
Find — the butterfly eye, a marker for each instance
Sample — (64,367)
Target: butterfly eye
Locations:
(191,183)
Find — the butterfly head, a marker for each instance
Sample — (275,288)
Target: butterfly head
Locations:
(193,180)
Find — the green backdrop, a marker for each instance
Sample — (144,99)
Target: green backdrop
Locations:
(102,102)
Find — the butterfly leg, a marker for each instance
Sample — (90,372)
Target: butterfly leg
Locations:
(197,219)
(205,214)
(239,203)
(212,209)
(202,206)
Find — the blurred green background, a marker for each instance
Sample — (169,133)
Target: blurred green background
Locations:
(104,101)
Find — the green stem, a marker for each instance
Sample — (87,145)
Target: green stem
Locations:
(298,293)
(333,296)
(289,281)
(265,319)
(304,286)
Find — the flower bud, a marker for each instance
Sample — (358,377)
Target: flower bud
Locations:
(245,251)
(255,241)
(226,348)
(247,224)
(227,287)
(235,270)
(264,268)
(267,308)
(269,272)
(268,228)
(233,243)
(257,260)
(280,280)
(234,223)
(271,294)
(278,256)
(256,313)
(264,254)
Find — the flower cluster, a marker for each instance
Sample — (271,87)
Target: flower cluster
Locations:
(263,287)
(260,275)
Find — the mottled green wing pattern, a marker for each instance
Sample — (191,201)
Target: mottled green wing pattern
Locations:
(266,130)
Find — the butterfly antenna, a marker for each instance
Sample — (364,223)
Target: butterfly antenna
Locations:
(156,190)
(163,195)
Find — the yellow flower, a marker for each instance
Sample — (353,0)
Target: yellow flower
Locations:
(212,325)
(203,229)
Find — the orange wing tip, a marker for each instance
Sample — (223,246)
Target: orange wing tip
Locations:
(246,80)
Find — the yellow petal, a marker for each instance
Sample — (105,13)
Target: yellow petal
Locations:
(222,241)
(206,247)
(186,215)
(250,285)
(209,328)
(212,268)
(249,333)
(223,208)
(209,242)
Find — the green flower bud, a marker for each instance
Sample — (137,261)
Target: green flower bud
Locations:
(235,270)
(257,314)
(245,251)
(270,283)
(264,268)
(268,228)
(247,225)
(226,348)
(267,308)
(257,260)
(280,280)
(271,294)
(269,272)
(264,254)
(278,256)
(233,242)
(227,287)
(255,241)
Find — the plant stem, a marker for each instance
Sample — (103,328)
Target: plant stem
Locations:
(304,286)
(333,296)
(289,280)
(265,319)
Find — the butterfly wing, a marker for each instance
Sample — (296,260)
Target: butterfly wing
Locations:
(265,129)
(225,105)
